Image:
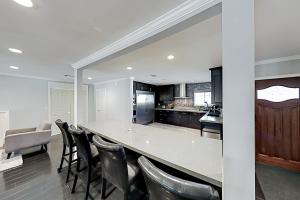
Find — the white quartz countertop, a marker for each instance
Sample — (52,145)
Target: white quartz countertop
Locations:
(187,152)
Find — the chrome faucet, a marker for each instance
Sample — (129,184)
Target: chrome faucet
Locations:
(206,105)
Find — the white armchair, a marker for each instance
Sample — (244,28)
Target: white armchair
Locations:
(19,139)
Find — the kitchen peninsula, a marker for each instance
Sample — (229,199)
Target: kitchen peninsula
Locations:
(174,148)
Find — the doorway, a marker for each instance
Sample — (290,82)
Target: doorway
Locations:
(277,122)
(61,104)
(62,107)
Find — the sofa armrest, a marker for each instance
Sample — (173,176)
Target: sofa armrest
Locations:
(20,141)
(42,137)
(16,131)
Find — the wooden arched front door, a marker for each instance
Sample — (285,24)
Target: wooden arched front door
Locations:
(277,122)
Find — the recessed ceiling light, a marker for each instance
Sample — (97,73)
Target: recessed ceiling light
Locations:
(129,68)
(153,75)
(14,67)
(171,57)
(90,78)
(18,51)
(26,3)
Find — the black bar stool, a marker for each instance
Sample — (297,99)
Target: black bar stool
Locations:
(68,144)
(161,185)
(116,169)
(87,154)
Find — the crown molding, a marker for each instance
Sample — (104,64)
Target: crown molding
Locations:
(277,60)
(278,76)
(33,77)
(111,81)
(26,76)
(180,13)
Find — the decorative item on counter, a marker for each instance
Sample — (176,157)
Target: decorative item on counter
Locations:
(170,106)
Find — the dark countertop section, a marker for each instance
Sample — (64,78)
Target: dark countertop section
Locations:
(211,119)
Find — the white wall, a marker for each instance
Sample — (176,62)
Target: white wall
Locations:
(118,100)
(91,103)
(26,99)
(278,70)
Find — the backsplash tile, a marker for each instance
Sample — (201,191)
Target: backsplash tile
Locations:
(191,88)
(189,102)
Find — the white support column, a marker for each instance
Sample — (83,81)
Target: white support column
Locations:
(238,99)
(77,85)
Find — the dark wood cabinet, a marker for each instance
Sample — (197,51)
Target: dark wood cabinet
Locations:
(183,119)
(160,116)
(191,88)
(179,118)
(165,93)
(164,116)
(194,120)
(216,86)
(144,87)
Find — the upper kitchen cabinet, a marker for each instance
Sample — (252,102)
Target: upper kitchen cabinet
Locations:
(216,86)
(165,92)
(192,88)
(144,87)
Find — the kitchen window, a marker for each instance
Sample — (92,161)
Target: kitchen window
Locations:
(201,97)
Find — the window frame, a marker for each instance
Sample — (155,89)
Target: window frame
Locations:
(205,98)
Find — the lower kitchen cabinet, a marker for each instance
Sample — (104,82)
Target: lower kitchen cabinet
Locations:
(194,118)
(178,118)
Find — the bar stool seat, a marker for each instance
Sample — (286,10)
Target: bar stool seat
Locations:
(69,147)
(88,166)
(161,185)
(95,154)
(116,169)
(133,171)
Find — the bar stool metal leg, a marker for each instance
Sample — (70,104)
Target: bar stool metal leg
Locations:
(62,159)
(69,164)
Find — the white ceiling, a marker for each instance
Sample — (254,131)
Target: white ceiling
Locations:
(57,33)
(195,49)
(199,48)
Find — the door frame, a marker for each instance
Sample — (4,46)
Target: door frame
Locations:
(65,86)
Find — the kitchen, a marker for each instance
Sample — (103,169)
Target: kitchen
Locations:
(192,105)
(171,89)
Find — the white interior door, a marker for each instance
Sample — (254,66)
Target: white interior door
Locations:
(4,125)
(100,103)
(62,107)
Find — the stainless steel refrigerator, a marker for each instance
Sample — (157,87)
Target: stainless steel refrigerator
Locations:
(145,107)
